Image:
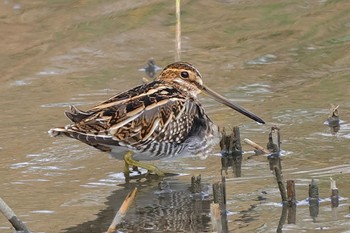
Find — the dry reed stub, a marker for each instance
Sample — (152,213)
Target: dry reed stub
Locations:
(334,194)
(291,193)
(274,147)
(231,152)
(314,202)
(333,119)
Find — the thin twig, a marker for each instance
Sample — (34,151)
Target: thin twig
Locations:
(178,32)
(12,217)
(256,146)
(122,211)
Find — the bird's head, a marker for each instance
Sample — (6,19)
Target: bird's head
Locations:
(183,76)
(187,79)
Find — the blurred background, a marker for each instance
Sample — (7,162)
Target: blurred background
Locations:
(286,61)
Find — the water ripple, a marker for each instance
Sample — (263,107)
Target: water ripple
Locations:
(328,171)
(111,180)
(64,104)
(263,60)
(297,116)
(54,160)
(256,88)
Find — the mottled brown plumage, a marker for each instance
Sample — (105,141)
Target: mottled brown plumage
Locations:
(160,119)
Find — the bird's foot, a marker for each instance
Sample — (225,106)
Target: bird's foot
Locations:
(129,161)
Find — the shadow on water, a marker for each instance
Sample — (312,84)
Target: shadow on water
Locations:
(161,205)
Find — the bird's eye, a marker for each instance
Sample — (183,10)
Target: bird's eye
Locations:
(184,74)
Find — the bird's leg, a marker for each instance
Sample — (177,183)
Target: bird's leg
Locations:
(129,161)
(126,168)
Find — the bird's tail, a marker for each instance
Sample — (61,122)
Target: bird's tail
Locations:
(54,132)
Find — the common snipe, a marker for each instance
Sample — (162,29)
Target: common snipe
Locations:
(156,120)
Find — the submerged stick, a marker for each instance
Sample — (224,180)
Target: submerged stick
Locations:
(122,211)
(178,32)
(313,200)
(12,217)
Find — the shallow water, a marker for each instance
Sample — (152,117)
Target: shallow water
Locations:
(285,61)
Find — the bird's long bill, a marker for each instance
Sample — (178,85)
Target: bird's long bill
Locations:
(223,100)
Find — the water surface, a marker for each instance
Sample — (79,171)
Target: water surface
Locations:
(285,61)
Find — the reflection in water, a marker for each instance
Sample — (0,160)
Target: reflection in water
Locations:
(151,68)
(172,212)
(286,60)
(233,160)
(287,213)
(160,206)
